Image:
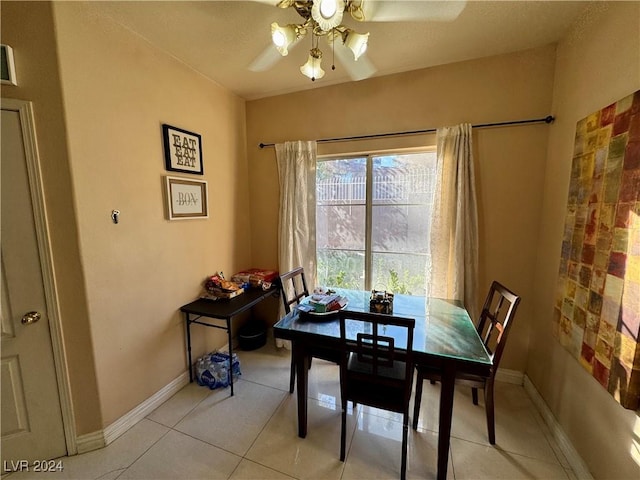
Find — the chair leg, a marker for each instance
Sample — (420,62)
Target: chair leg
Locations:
(474,395)
(488,401)
(405,436)
(418,399)
(292,376)
(343,431)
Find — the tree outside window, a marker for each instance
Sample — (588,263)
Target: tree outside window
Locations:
(372,221)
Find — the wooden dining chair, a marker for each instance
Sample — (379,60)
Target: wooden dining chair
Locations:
(494,325)
(293,286)
(374,370)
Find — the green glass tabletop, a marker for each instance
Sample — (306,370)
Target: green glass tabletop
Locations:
(443,327)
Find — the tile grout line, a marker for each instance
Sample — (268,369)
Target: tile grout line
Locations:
(550,440)
(356,415)
(143,453)
(244,456)
(241,457)
(173,429)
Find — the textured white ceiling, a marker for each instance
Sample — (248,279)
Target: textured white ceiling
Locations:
(221,39)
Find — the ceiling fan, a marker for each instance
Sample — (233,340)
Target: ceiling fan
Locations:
(323,18)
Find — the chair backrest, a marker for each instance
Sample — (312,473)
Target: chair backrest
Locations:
(495,320)
(365,339)
(293,287)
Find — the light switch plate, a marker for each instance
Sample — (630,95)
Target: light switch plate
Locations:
(7,66)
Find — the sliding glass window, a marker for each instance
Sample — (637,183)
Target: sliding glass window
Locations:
(373,214)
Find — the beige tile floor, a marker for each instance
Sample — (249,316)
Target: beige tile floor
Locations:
(205,434)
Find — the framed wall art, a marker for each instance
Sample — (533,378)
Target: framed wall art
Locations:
(597,309)
(186,198)
(182,150)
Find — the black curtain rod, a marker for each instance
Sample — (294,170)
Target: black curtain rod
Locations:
(547,119)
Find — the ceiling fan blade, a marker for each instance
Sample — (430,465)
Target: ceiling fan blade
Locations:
(268,2)
(268,58)
(408,11)
(357,69)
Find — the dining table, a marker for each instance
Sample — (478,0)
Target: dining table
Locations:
(444,338)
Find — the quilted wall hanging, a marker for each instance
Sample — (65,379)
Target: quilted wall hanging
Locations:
(597,309)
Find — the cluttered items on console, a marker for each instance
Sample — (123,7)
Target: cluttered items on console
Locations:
(217,286)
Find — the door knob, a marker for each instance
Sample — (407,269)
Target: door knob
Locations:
(31,317)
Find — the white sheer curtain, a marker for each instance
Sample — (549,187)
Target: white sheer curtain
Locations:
(297,214)
(453,271)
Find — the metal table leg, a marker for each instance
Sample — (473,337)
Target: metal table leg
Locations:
(230,355)
(189,366)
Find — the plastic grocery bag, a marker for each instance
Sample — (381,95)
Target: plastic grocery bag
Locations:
(212,369)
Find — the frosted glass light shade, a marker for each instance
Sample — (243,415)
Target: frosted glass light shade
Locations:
(283,37)
(328,13)
(312,68)
(357,43)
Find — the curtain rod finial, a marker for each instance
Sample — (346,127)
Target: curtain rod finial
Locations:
(549,119)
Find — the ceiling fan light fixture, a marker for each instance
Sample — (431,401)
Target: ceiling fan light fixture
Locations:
(312,68)
(327,13)
(328,8)
(322,18)
(283,37)
(357,43)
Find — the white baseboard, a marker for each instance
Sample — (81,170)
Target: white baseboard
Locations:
(90,441)
(102,438)
(129,419)
(510,376)
(575,461)
(564,444)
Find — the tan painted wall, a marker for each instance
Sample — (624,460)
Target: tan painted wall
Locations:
(510,161)
(100,147)
(598,63)
(117,91)
(28,28)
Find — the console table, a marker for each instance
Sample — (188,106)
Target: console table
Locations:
(208,312)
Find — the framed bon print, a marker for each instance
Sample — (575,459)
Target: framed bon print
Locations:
(186,198)
(182,150)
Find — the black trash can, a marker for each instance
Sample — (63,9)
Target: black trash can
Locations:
(252,336)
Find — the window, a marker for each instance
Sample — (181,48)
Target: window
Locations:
(372,221)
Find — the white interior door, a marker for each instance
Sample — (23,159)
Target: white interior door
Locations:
(31,423)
